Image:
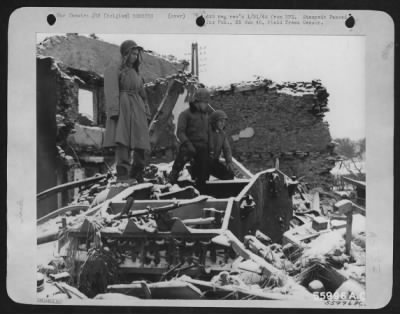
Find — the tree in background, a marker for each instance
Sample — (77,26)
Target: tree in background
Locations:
(352,151)
(361,147)
(346,147)
(350,148)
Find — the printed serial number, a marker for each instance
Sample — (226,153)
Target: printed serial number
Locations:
(342,298)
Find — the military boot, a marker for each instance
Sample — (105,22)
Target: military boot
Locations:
(136,172)
(173,176)
(122,173)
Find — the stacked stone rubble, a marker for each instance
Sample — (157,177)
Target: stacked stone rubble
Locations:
(288,124)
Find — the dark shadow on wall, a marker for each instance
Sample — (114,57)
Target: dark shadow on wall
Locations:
(46,127)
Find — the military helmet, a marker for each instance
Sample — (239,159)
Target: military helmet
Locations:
(201,95)
(127,45)
(217,115)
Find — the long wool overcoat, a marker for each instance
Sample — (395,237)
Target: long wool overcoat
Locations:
(124,96)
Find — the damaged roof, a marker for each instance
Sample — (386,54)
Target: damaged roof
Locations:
(93,55)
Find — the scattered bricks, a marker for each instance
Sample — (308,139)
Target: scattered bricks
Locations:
(319,223)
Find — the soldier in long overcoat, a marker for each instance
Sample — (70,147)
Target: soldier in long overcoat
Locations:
(127,113)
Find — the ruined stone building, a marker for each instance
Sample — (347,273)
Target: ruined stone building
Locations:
(268,123)
(70,108)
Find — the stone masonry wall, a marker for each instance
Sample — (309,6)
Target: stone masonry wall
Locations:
(287,121)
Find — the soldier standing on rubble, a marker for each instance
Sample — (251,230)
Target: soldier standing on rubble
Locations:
(218,143)
(192,132)
(127,113)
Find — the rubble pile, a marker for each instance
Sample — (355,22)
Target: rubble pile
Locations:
(67,99)
(154,240)
(68,66)
(76,134)
(286,121)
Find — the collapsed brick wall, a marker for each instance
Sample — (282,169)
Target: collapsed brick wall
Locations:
(287,121)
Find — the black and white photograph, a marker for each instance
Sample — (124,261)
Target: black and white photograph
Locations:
(212,164)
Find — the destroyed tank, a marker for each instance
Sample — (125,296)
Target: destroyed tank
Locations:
(153,234)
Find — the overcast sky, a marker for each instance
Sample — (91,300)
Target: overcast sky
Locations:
(338,61)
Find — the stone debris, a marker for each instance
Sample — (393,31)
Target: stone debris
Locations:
(189,254)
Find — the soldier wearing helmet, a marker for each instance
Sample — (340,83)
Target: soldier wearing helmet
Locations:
(218,143)
(127,113)
(192,133)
